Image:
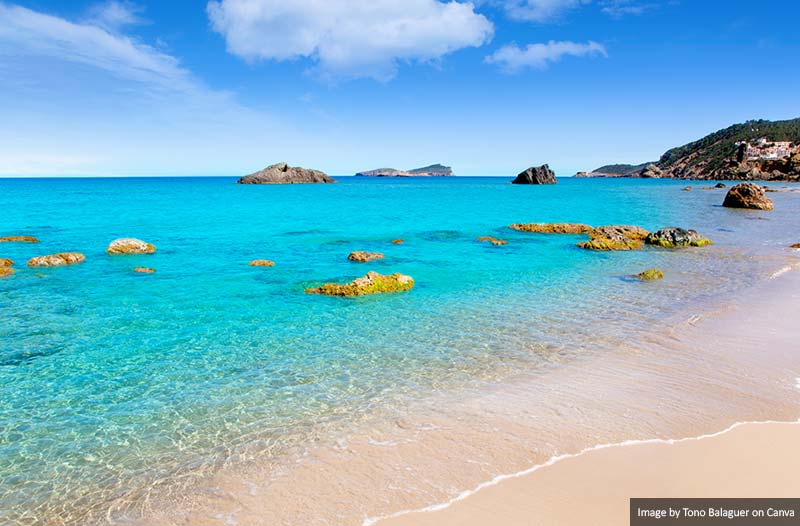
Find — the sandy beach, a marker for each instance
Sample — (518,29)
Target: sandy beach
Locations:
(594,487)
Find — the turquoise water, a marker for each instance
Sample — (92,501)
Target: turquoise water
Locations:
(113,380)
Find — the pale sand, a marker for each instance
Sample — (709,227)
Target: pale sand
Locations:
(748,460)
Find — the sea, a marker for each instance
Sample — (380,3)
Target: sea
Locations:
(113,383)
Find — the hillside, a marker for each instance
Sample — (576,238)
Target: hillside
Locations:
(434,170)
(724,155)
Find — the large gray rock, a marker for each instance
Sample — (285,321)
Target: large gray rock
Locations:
(282,173)
(536,175)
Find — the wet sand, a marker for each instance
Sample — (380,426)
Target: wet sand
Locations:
(594,487)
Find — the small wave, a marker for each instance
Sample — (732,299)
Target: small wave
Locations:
(369,521)
(782,271)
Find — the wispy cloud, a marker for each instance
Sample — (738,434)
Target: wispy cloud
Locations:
(513,59)
(114,15)
(540,10)
(625,7)
(348,38)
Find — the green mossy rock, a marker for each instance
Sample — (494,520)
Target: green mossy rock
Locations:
(371,283)
(650,274)
(672,237)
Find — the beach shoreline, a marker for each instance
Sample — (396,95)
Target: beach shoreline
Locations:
(426,460)
(746,460)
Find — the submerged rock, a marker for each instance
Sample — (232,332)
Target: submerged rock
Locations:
(57,260)
(262,263)
(129,245)
(398,241)
(282,173)
(144,270)
(796,245)
(18,239)
(360,256)
(371,283)
(672,237)
(747,195)
(720,185)
(536,175)
(6,271)
(615,237)
(5,262)
(687,188)
(650,274)
(552,228)
(493,240)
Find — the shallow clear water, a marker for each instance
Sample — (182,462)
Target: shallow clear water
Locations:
(111,380)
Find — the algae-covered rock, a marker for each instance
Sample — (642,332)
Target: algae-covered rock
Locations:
(144,270)
(650,274)
(18,239)
(615,237)
(360,256)
(6,272)
(129,245)
(371,283)
(5,262)
(673,237)
(262,263)
(552,228)
(493,240)
(57,260)
(747,195)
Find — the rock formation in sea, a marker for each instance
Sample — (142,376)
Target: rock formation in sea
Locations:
(5,262)
(144,270)
(720,185)
(57,260)
(6,271)
(687,188)
(262,263)
(747,195)
(673,237)
(552,228)
(398,241)
(536,175)
(18,239)
(129,245)
(493,240)
(371,283)
(650,274)
(615,237)
(282,173)
(434,170)
(360,256)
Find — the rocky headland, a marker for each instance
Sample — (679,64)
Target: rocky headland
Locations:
(434,170)
(753,150)
(282,173)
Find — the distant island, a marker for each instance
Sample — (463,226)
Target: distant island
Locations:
(434,170)
(753,150)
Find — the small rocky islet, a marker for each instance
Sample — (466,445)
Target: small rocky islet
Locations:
(493,240)
(262,263)
(536,175)
(129,245)
(57,260)
(18,239)
(748,195)
(361,256)
(371,283)
(651,274)
(282,173)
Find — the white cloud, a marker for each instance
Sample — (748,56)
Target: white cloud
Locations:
(114,15)
(625,7)
(24,32)
(348,38)
(540,10)
(512,58)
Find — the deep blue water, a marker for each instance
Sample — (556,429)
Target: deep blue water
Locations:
(110,379)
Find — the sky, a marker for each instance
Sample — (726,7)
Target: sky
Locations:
(227,87)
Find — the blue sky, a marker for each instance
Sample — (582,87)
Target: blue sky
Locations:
(491,87)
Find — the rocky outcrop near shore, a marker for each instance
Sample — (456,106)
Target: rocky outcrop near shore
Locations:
(57,260)
(747,195)
(615,237)
(536,175)
(360,256)
(493,240)
(673,237)
(144,270)
(18,239)
(650,274)
(282,173)
(552,228)
(5,262)
(371,283)
(262,263)
(6,272)
(434,170)
(129,245)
